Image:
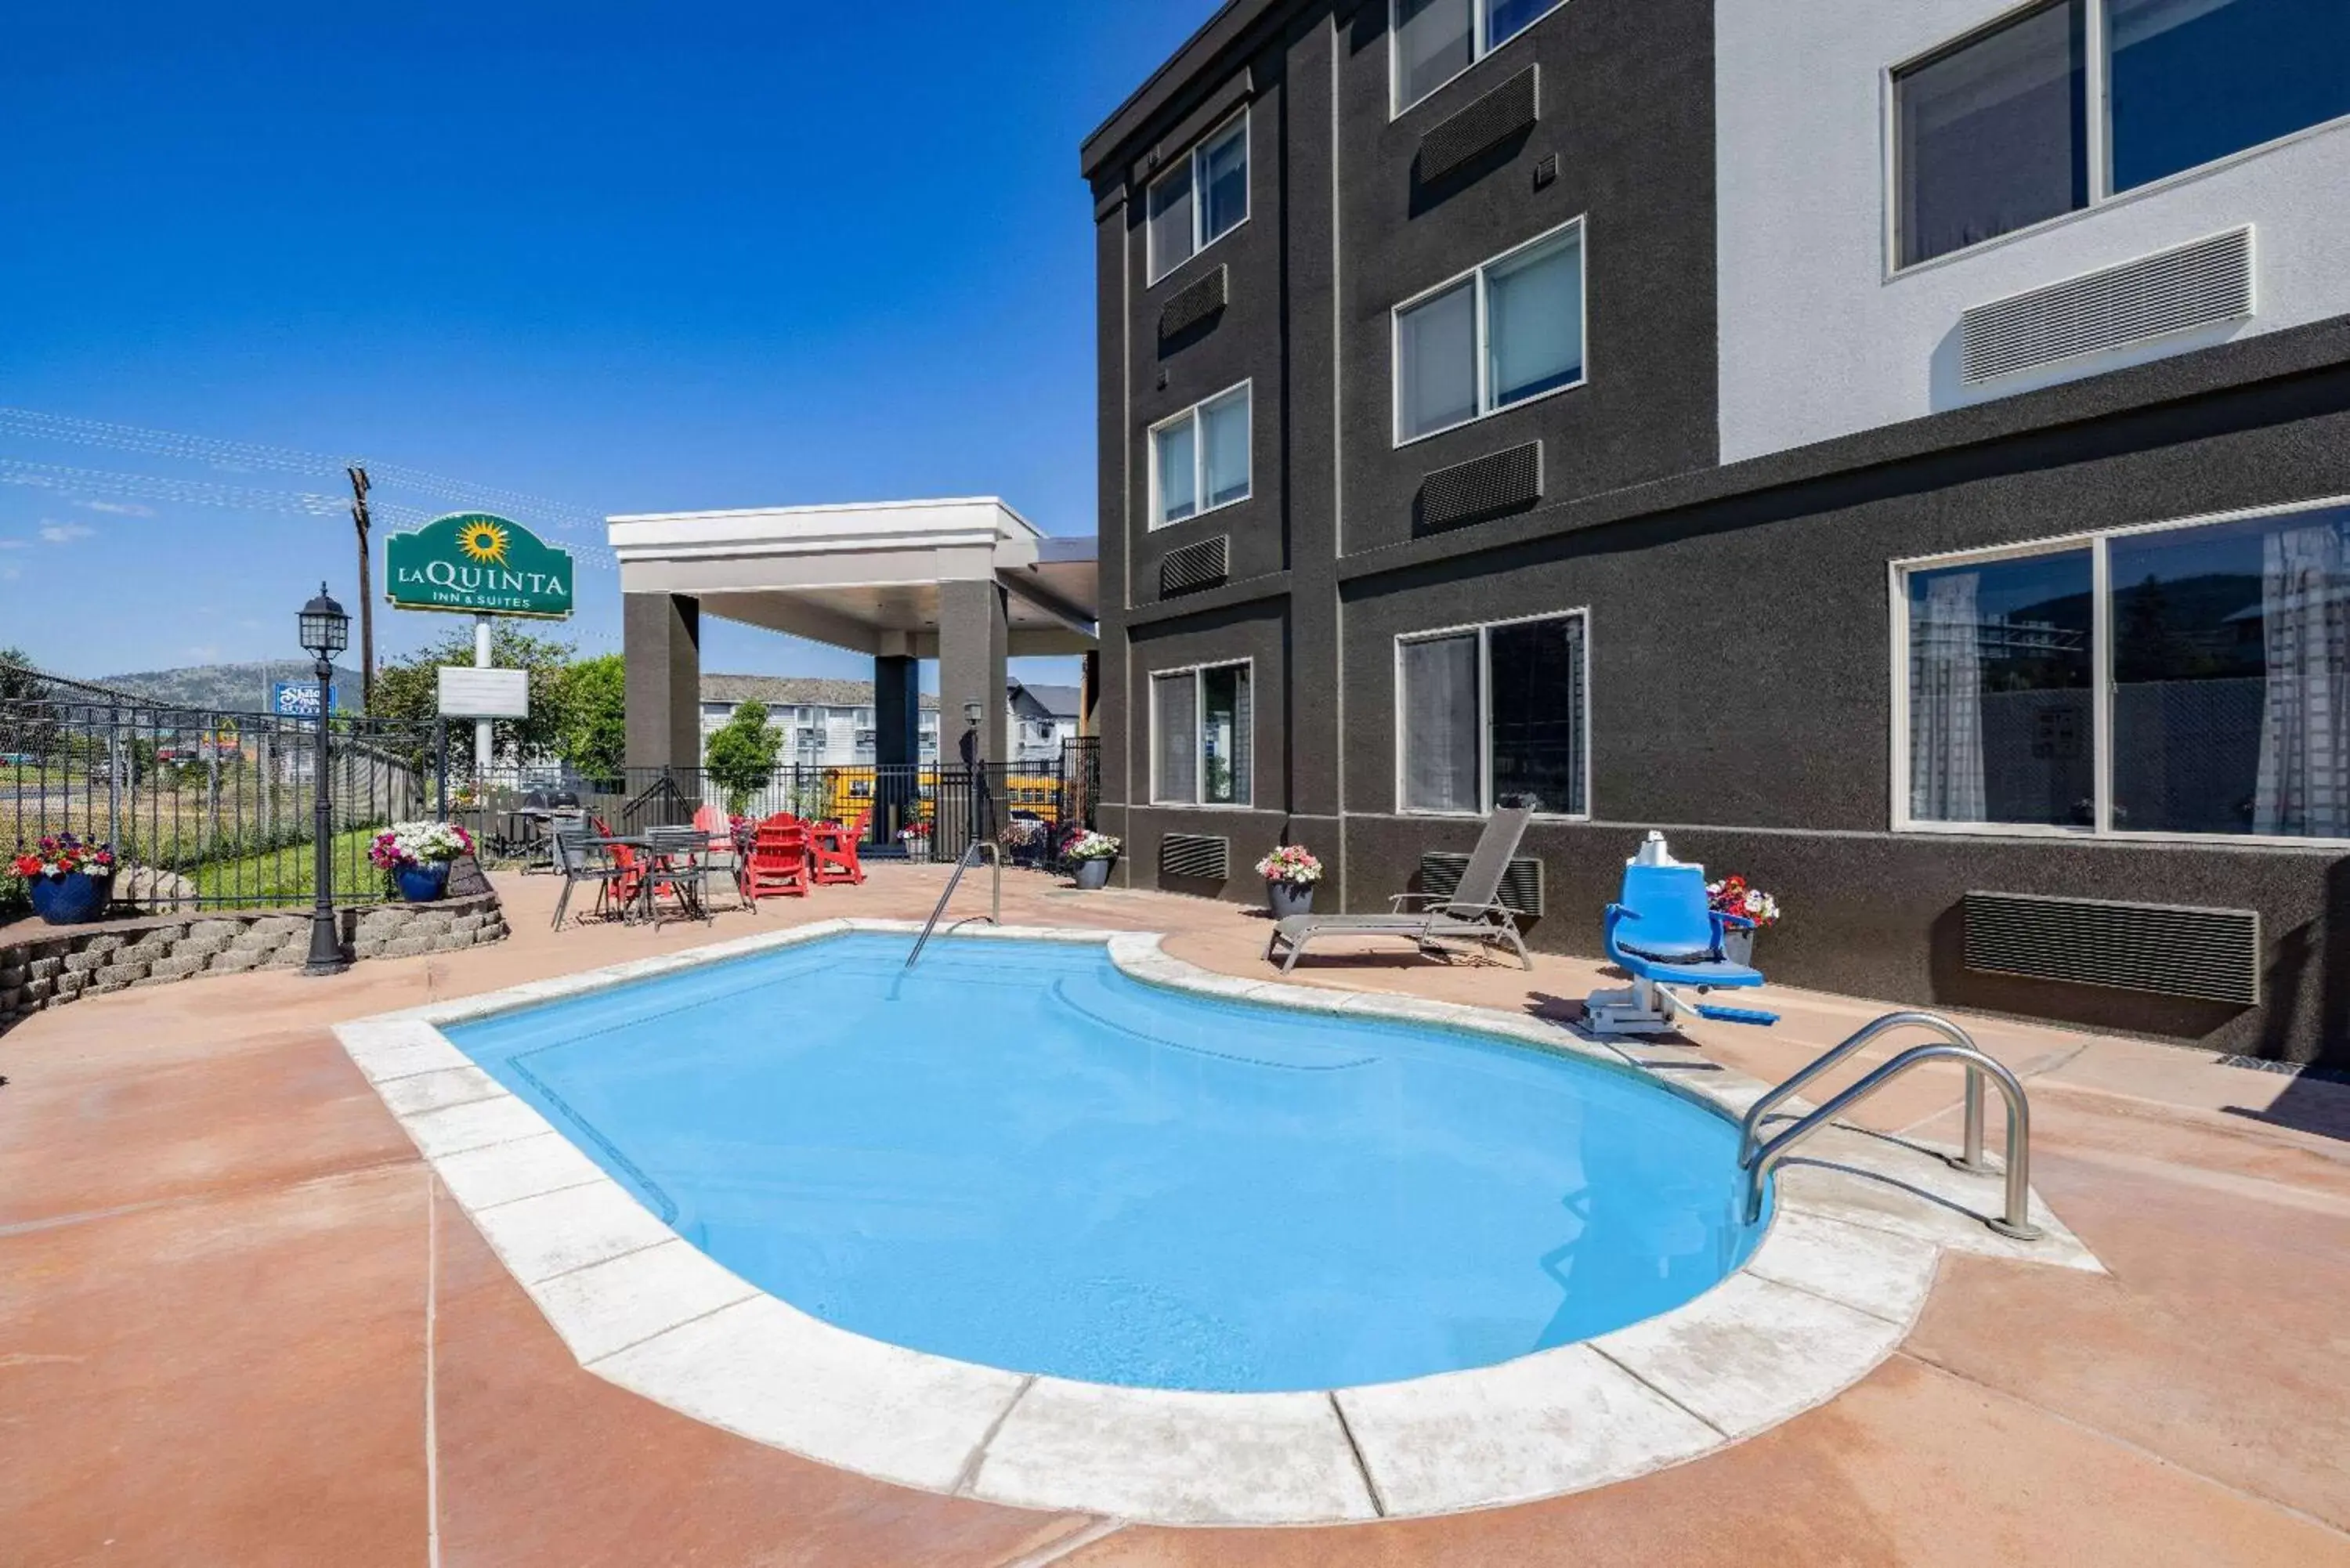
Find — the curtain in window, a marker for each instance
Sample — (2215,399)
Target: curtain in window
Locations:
(1946,750)
(1441,746)
(1174,706)
(2304,789)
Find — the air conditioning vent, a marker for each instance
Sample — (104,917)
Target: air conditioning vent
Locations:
(2213,955)
(1480,489)
(2199,284)
(1194,302)
(1478,128)
(1195,566)
(1195,855)
(1521,883)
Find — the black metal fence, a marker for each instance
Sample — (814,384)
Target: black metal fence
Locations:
(202,807)
(212,808)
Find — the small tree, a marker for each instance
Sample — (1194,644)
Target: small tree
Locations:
(741,755)
(593,694)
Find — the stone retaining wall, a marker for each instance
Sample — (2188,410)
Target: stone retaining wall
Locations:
(48,966)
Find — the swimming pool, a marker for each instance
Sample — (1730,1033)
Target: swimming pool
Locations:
(1019,1156)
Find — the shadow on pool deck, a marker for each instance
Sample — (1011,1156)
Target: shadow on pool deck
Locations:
(237,1326)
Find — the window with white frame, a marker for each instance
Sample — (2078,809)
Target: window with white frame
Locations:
(1504,333)
(1203,198)
(2069,103)
(1430,42)
(1201,736)
(1495,715)
(2186,679)
(1200,458)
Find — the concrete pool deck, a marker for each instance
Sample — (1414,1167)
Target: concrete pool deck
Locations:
(240,1322)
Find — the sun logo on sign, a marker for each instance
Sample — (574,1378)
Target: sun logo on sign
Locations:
(484,542)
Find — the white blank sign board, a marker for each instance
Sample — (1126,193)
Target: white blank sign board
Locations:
(467,693)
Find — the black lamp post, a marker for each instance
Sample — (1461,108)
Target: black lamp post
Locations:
(974,780)
(325,632)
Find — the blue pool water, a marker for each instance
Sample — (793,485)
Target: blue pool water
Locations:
(1019,1156)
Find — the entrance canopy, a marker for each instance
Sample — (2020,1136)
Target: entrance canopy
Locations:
(966,582)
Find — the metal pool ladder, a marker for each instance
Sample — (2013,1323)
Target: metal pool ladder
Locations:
(995,895)
(1757,1157)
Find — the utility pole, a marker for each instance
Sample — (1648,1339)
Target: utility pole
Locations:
(360,520)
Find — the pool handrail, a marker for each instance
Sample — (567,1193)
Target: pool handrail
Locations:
(962,863)
(1971,1160)
(2015,1221)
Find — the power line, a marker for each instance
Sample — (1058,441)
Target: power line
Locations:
(561,516)
(67,480)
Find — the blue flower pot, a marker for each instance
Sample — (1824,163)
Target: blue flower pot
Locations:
(423,884)
(1288,899)
(71,899)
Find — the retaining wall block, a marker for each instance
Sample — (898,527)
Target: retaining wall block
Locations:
(45,969)
(179,966)
(84,960)
(115,976)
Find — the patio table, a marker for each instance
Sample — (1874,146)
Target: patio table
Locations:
(654,863)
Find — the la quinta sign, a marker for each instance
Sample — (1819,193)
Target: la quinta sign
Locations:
(471,563)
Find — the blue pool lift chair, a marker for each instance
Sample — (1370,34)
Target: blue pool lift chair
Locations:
(1662,932)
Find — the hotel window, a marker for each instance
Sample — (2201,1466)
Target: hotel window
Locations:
(1430,42)
(2071,103)
(1199,459)
(1495,715)
(2219,706)
(1201,736)
(1202,200)
(1505,333)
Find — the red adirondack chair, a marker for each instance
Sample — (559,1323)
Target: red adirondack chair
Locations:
(832,851)
(779,856)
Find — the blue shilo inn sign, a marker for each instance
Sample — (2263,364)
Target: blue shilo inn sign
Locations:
(299,699)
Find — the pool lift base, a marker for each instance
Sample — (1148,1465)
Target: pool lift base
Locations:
(1648,1007)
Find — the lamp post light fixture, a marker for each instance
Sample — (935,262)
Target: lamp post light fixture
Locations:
(325,632)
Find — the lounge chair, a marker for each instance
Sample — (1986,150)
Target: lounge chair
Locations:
(1470,913)
(1664,932)
(831,852)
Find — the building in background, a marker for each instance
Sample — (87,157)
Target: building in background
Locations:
(1903,452)
(830,723)
(1043,719)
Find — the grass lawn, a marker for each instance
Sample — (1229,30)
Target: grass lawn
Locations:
(287,875)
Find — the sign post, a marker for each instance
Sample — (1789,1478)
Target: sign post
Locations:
(473,563)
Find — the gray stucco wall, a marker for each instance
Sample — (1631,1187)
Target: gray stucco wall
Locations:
(1740,650)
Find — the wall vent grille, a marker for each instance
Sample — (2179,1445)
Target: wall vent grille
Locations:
(1521,883)
(1480,489)
(1195,855)
(2197,285)
(1194,302)
(2168,949)
(1195,566)
(1478,128)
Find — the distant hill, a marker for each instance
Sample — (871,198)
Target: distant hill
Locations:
(232,687)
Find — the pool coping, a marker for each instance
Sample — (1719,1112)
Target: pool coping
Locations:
(1859,1227)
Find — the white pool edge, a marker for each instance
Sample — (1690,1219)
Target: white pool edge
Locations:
(1830,1291)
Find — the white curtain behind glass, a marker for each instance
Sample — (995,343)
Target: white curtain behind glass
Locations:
(1946,751)
(1179,471)
(1534,323)
(1436,343)
(1226,441)
(1175,718)
(2304,789)
(1442,748)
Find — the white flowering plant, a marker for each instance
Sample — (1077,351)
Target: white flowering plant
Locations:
(1086,845)
(419,843)
(1291,863)
(1731,896)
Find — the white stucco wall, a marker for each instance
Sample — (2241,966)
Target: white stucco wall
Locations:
(1818,339)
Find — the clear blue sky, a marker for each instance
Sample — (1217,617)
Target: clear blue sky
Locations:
(620,257)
